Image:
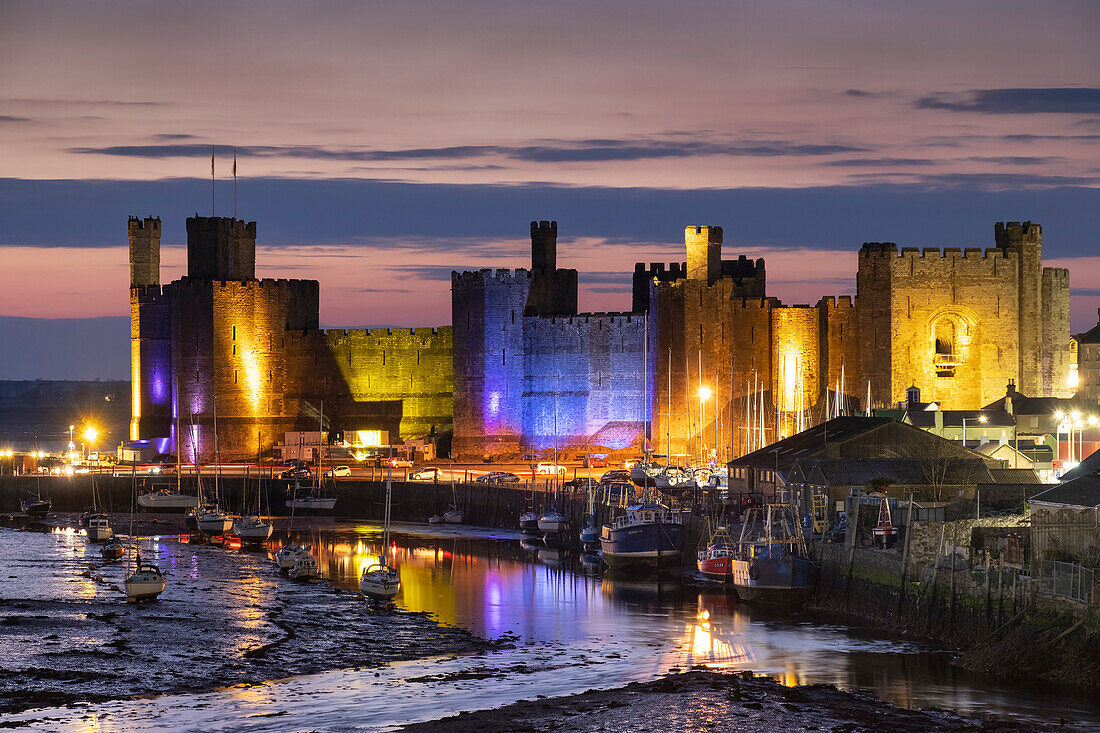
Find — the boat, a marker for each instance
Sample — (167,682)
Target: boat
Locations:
(211,519)
(36,507)
(454,515)
(553,522)
(317,498)
(716,561)
(167,498)
(99,528)
(304,567)
(146,582)
(529,522)
(644,472)
(252,528)
(590,533)
(773,563)
(380,582)
(288,555)
(112,549)
(646,535)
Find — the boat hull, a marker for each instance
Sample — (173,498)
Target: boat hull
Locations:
(312,504)
(529,523)
(653,545)
(553,523)
(784,580)
(379,586)
(255,534)
(144,586)
(168,501)
(717,568)
(99,533)
(215,526)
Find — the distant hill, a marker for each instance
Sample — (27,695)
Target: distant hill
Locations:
(46,409)
(65,348)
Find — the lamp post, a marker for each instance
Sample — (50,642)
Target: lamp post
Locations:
(90,434)
(71,444)
(980,418)
(704,395)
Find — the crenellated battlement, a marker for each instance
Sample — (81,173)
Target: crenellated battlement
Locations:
(1011,233)
(836,302)
(486,274)
(149,291)
(149,223)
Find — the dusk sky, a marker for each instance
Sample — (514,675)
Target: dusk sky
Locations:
(382,145)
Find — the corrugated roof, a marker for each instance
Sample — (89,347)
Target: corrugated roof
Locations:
(811,441)
(1014,476)
(906,471)
(1083,491)
(1091,465)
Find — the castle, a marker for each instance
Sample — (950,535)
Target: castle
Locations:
(520,370)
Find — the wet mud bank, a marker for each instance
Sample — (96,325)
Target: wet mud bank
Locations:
(715,701)
(227,617)
(998,631)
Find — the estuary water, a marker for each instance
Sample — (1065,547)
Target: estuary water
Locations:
(564,625)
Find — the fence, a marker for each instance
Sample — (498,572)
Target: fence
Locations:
(1064,579)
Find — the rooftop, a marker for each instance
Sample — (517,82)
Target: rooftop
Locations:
(1083,491)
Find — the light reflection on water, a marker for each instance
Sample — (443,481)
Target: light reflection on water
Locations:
(505,586)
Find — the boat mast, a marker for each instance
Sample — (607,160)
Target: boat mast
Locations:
(217,455)
(389,494)
(176,410)
(320,428)
(668,425)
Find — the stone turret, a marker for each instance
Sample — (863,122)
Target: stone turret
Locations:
(704,252)
(1027,240)
(144,251)
(544,245)
(221,248)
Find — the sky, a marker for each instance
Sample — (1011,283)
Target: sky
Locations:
(381,145)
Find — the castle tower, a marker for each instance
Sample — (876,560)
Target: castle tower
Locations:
(221,248)
(553,291)
(150,345)
(144,251)
(1027,240)
(704,253)
(544,245)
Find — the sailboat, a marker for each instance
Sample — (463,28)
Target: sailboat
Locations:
(453,515)
(97,525)
(35,507)
(380,582)
(315,499)
(212,520)
(166,498)
(253,529)
(147,580)
(553,522)
(590,534)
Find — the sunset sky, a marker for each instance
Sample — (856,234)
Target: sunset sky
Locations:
(381,145)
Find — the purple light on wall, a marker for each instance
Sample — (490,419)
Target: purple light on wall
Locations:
(160,386)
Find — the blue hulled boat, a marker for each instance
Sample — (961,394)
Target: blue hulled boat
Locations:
(647,535)
(772,563)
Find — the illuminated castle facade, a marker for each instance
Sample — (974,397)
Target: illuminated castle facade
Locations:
(702,352)
(256,346)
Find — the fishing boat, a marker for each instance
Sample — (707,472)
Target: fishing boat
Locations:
(646,535)
(716,561)
(773,563)
(380,582)
(99,528)
(252,528)
(304,567)
(112,549)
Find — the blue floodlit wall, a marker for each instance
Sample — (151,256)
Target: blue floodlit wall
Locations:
(594,363)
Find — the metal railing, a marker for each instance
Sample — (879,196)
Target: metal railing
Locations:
(1064,579)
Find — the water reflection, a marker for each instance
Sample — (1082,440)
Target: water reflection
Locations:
(542,595)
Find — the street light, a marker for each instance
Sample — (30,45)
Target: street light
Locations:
(704,395)
(981,419)
(71,444)
(90,434)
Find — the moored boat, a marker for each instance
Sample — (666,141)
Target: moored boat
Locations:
(36,507)
(146,582)
(716,561)
(529,522)
(646,535)
(773,563)
(112,549)
(99,528)
(167,499)
(304,568)
(553,522)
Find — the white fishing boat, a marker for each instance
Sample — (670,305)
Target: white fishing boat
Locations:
(304,567)
(99,528)
(380,582)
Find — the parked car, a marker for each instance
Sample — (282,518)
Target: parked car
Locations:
(398,462)
(549,467)
(426,474)
(297,472)
(594,462)
(163,468)
(615,492)
(615,475)
(497,477)
(579,484)
(338,471)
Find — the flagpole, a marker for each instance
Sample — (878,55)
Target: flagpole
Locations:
(211,181)
(234,183)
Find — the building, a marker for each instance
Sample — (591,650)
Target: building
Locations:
(704,367)
(1088,366)
(1065,521)
(255,345)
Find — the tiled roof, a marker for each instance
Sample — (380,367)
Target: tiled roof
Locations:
(905,471)
(1082,491)
(1014,476)
(953,419)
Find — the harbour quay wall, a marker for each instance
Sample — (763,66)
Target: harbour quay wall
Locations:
(995,615)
